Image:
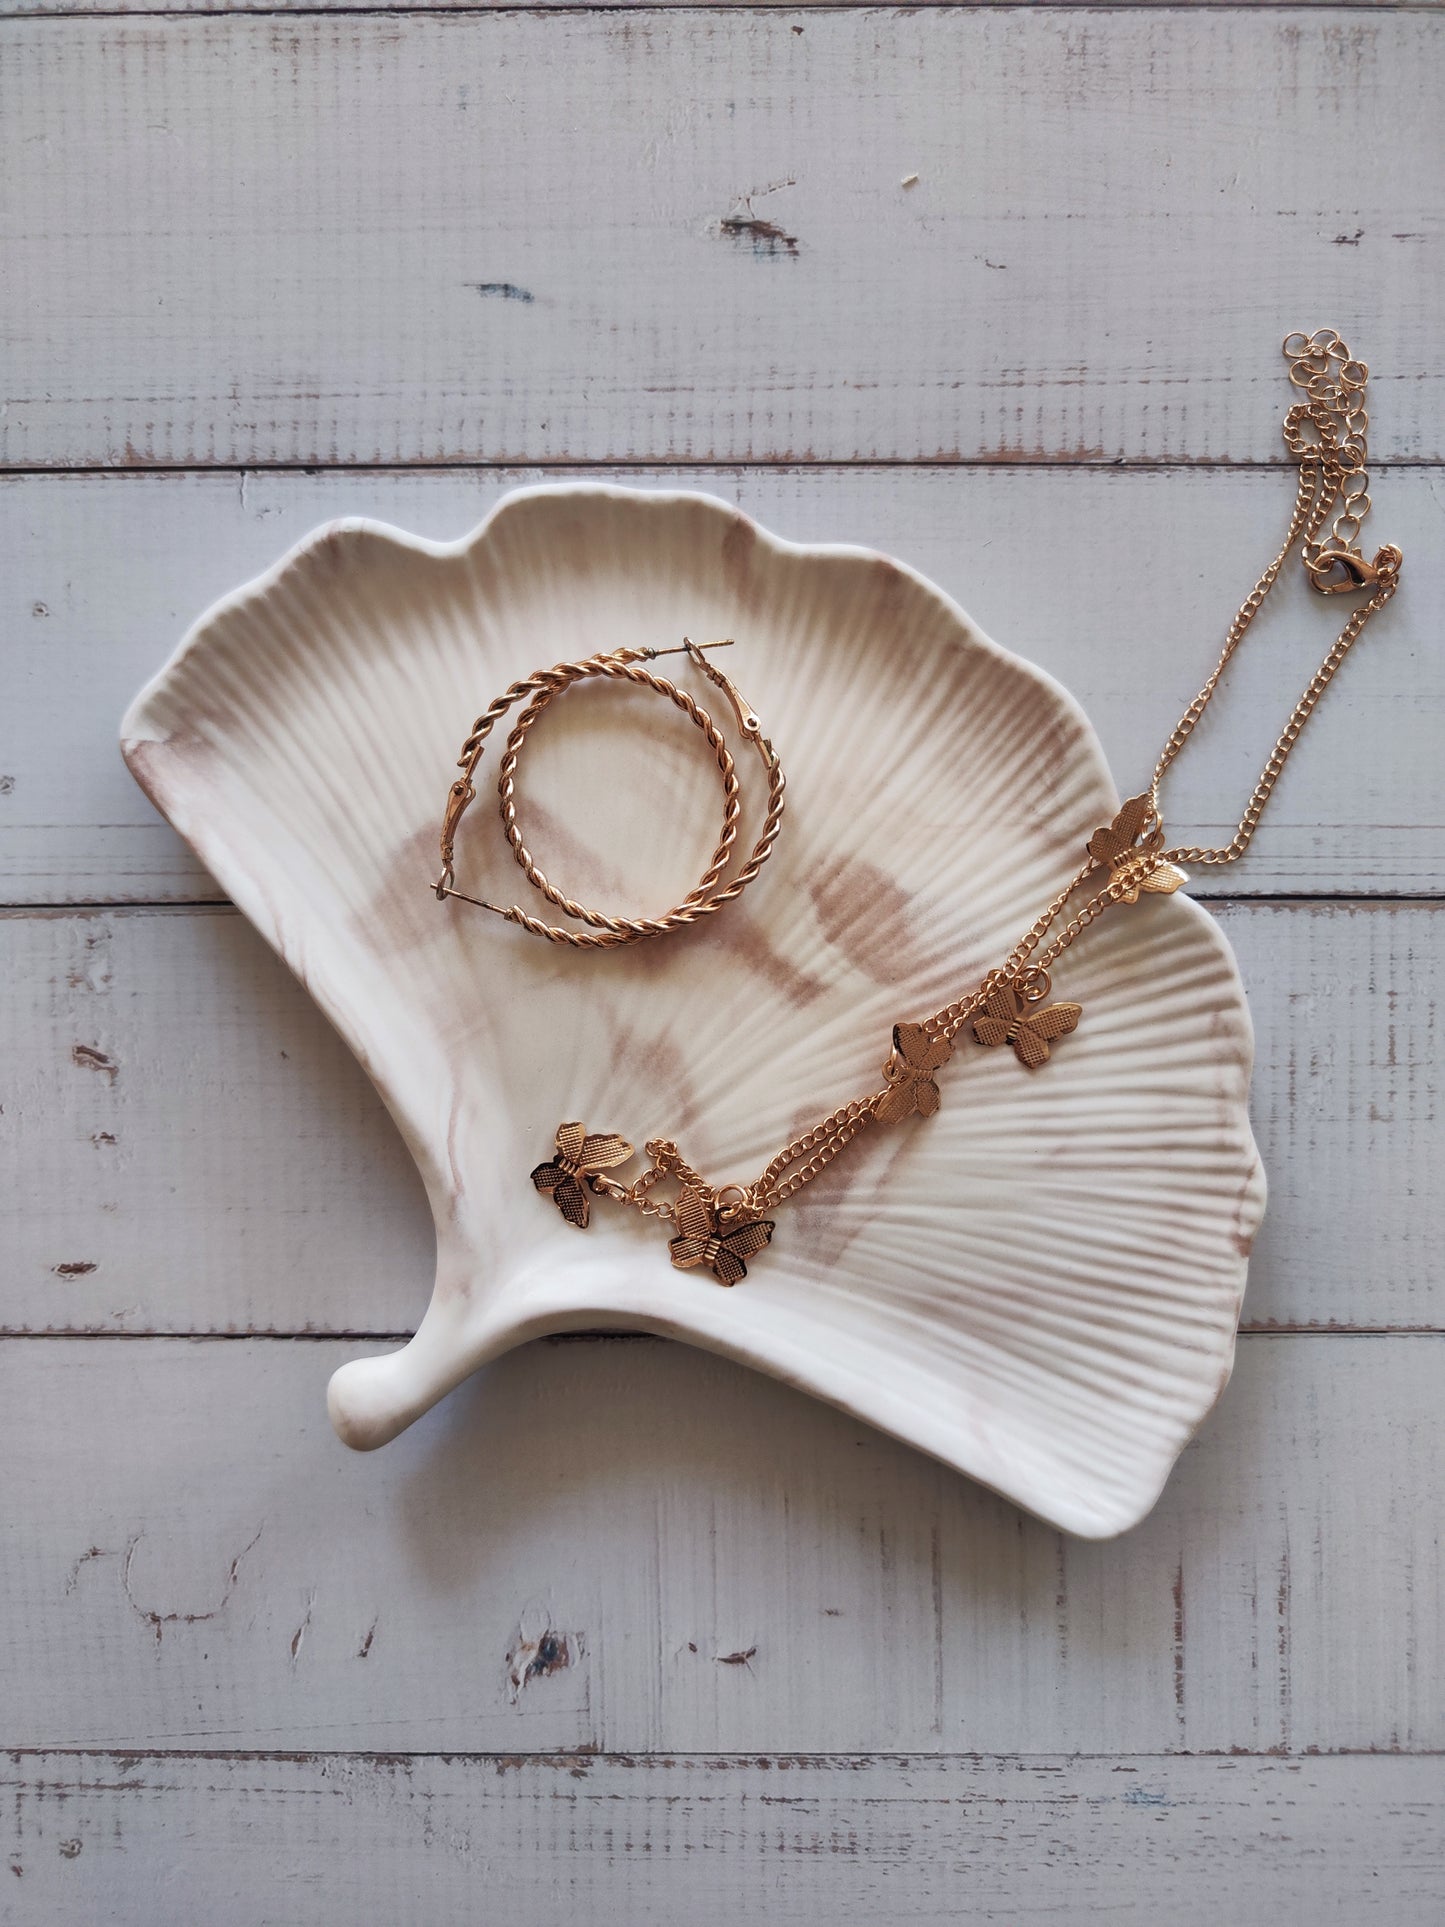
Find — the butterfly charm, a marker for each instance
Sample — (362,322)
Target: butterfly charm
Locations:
(1134,835)
(701,1240)
(909,1071)
(577,1157)
(1008,1019)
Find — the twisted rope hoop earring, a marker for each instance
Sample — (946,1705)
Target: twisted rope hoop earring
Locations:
(710,893)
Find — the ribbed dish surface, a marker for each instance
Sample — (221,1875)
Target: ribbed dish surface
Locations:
(1041,1284)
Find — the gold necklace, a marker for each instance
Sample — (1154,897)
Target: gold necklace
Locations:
(720,1228)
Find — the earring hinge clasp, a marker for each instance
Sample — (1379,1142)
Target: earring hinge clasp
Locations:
(748,719)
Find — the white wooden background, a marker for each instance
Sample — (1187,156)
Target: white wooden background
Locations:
(622,1634)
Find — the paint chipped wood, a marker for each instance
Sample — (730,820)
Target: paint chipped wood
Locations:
(41,8)
(791,1839)
(287,271)
(771,1576)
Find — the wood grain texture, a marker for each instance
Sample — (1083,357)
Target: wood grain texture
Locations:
(1119,583)
(647,1842)
(194,1150)
(636,1547)
(40,9)
(232,239)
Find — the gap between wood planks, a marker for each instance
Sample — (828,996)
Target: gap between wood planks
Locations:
(317,1336)
(209,906)
(569,1757)
(473,8)
(582,468)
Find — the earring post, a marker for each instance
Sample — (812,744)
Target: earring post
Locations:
(686,648)
(446,890)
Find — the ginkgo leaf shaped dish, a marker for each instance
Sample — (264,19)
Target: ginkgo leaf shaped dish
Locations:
(1037,1280)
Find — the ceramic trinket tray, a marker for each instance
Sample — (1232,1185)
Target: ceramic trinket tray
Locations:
(1040,1285)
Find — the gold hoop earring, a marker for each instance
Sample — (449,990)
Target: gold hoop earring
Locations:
(710,893)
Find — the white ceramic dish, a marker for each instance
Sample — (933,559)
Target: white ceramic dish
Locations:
(1040,1285)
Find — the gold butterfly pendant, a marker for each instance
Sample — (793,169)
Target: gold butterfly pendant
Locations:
(1135,835)
(701,1240)
(577,1157)
(912,1086)
(1008,1019)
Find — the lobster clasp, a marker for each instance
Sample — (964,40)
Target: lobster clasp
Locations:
(1341,571)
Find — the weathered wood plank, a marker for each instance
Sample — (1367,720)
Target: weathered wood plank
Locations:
(40,9)
(633,1842)
(637,1547)
(193,1149)
(1119,583)
(234,239)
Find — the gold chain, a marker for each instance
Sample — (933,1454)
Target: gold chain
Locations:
(1326,432)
